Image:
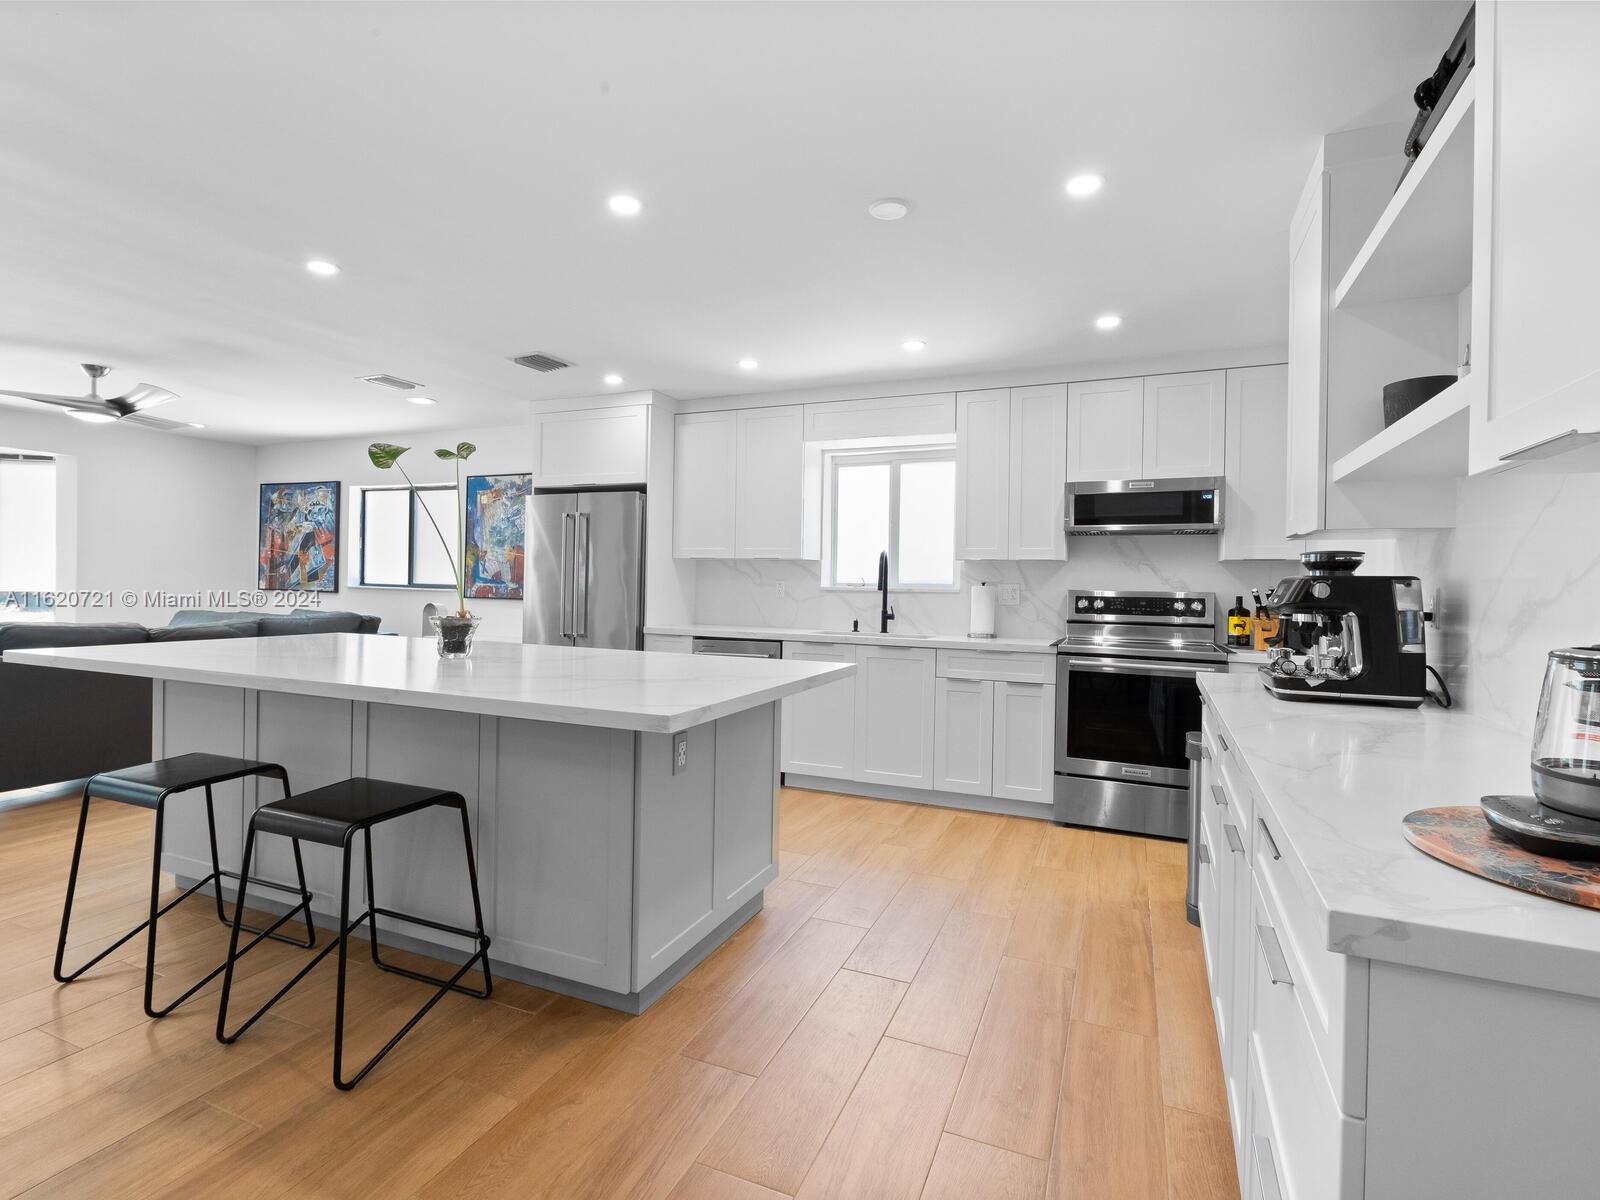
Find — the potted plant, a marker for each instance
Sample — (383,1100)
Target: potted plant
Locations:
(455,629)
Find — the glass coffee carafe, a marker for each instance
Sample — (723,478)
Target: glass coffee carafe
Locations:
(1566,737)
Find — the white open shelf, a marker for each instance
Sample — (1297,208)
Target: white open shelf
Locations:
(1422,244)
(1428,443)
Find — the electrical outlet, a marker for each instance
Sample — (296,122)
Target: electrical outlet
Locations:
(680,752)
(781,588)
(1011,594)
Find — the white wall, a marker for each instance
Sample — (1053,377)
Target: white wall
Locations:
(141,511)
(502,450)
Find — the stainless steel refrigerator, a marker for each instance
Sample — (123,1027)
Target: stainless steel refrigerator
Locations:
(583,577)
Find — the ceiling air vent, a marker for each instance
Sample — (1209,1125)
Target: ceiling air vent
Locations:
(539,361)
(391,381)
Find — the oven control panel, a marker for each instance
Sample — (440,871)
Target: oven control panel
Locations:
(1188,608)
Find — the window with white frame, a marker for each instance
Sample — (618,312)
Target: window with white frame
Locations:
(399,546)
(27,527)
(900,502)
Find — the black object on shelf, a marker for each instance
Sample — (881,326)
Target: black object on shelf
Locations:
(1433,94)
(1405,396)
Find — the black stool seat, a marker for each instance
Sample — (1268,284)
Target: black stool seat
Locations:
(146,784)
(150,785)
(331,814)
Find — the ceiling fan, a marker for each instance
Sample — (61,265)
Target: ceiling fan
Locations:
(132,406)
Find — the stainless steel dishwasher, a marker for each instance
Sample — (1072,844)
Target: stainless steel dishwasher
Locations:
(737,647)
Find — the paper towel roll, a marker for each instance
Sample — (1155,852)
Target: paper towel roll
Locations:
(983,597)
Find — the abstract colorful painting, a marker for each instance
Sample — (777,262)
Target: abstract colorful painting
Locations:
(496,537)
(299,546)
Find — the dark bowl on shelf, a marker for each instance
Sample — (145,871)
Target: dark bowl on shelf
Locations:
(1405,396)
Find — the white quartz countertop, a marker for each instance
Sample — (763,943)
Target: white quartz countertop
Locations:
(1339,778)
(939,641)
(614,689)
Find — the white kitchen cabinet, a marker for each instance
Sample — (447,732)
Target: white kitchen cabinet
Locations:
(819,735)
(1038,466)
(704,489)
(1306,449)
(1537,253)
(669,643)
(894,715)
(983,473)
(964,748)
(591,447)
(1256,478)
(771,505)
(1105,429)
(1183,425)
(932,415)
(1024,741)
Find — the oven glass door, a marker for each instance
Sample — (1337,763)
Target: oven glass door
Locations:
(1157,508)
(1126,720)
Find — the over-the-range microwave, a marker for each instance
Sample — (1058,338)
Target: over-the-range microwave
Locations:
(1145,506)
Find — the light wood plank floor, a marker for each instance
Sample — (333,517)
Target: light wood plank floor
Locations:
(932,1004)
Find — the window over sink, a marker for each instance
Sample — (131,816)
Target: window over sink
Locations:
(902,501)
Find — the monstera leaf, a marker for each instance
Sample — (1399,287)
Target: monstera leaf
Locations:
(463,451)
(385,454)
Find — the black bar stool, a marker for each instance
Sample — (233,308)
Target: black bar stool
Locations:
(333,816)
(148,786)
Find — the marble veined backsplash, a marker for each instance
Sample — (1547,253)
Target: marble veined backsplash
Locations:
(746,592)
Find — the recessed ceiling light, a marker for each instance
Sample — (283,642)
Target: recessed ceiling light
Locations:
(748,364)
(421,400)
(1108,321)
(889,208)
(613,380)
(318,266)
(625,206)
(1081,186)
(92,418)
(196,425)
(912,345)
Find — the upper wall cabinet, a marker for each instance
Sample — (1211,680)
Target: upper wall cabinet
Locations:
(704,489)
(933,415)
(741,486)
(1536,250)
(1254,496)
(1160,427)
(591,447)
(1011,453)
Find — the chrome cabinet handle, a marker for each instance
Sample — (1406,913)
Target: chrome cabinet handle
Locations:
(1224,742)
(1266,1169)
(1235,842)
(1218,796)
(1203,854)
(1272,951)
(1551,446)
(1271,841)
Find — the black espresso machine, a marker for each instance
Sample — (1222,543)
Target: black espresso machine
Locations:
(1356,639)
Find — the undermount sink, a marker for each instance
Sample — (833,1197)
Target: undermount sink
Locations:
(905,637)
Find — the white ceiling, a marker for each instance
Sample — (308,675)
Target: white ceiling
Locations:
(166,170)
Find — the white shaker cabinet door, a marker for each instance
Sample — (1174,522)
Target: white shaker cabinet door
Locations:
(1105,430)
(819,725)
(703,488)
(771,491)
(1257,458)
(963,738)
(1305,496)
(1038,472)
(594,447)
(1183,424)
(1024,741)
(894,717)
(983,471)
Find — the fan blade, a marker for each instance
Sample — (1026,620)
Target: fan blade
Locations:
(45,397)
(152,422)
(146,395)
(74,403)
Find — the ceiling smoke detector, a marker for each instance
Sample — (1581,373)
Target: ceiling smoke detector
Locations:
(540,361)
(391,381)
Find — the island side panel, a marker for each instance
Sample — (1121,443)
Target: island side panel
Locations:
(704,841)
(190,718)
(311,737)
(557,872)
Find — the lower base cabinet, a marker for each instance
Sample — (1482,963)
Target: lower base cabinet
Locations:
(819,726)
(995,738)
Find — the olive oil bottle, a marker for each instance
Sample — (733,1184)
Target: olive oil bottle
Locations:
(1238,623)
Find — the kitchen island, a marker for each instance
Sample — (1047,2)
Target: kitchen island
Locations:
(623,803)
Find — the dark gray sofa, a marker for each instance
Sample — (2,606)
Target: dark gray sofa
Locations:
(59,725)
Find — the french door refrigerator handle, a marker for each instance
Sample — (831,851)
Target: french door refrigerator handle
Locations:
(565,597)
(580,576)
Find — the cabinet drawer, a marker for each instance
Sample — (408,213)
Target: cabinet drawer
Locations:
(1316,1151)
(1003,666)
(1330,989)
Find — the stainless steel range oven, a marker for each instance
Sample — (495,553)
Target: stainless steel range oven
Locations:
(1126,697)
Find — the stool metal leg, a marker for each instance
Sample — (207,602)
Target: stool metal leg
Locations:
(72,891)
(299,869)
